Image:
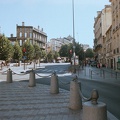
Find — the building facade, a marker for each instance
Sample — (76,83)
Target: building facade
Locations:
(115,31)
(56,43)
(102,23)
(35,35)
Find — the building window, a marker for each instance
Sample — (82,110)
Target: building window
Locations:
(117,50)
(30,35)
(20,42)
(30,41)
(20,34)
(25,35)
(114,51)
(13,42)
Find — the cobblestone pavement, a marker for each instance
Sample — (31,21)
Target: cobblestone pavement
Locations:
(20,102)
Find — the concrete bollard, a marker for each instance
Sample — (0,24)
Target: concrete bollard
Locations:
(75,102)
(94,110)
(32,81)
(9,76)
(54,85)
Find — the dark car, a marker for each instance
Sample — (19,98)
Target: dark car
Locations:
(93,63)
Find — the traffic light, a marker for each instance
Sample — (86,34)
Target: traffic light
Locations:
(24,50)
(70,51)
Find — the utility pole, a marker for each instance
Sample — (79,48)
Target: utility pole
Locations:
(74,69)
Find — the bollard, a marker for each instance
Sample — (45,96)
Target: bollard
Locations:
(75,102)
(103,74)
(91,74)
(94,110)
(32,81)
(9,76)
(85,71)
(116,75)
(54,85)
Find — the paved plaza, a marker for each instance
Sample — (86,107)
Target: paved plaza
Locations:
(20,102)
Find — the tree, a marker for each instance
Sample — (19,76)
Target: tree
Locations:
(67,51)
(17,52)
(64,51)
(50,56)
(89,53)
(6,49)
(28,51)
(37,53)
(55,55)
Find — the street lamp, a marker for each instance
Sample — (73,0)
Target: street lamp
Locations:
(74,70)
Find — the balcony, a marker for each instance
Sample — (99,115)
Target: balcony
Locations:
(98,47)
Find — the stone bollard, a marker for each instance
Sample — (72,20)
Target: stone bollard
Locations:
(54,85)
(9,76)
(75,102)
(32,81)
(94,110)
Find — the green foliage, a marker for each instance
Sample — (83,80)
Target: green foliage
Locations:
(89,53)
(65,51)
(50,56)
(6,49)
(43,54)
(55,55)
(29,50)
(17,52)
(37,51)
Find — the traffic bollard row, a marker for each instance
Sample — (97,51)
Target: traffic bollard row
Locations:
(93,110)
(54,85)
(32,81)
(75,102)
(9,76)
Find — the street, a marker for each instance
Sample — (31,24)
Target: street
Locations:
(108,92)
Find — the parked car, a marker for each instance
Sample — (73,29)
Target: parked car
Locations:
(93,63)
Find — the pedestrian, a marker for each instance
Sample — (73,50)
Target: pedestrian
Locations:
(100,64)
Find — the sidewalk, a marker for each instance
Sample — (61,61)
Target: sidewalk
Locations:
(20,102)
(101,75)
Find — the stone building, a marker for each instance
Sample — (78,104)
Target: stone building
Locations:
(56,43)
(115,32)
(102,23)
(35,35)
(109,46)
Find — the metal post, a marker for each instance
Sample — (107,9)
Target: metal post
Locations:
(85,71)
(111,73)
(74,71)
(91,74)
(100,73)
(116,75)
(103,74)
(24,64)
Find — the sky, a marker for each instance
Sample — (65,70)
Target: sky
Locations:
(54,16)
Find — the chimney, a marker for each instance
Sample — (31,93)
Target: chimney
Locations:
(22,23)
(11,35)
(38,27)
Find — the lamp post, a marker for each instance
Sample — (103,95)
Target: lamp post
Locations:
(74,70)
